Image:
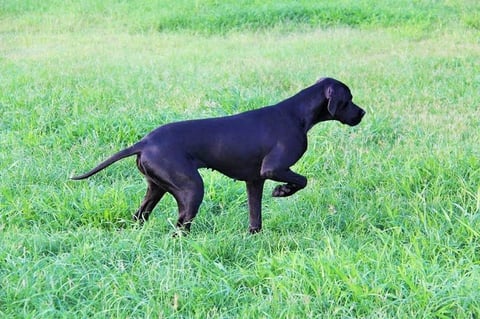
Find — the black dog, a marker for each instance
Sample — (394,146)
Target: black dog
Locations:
(252,146)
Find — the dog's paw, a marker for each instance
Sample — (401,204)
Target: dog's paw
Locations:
(139,218)
(179,233)
(283,190)
(254,230)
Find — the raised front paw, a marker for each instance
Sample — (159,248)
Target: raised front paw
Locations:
(284,190)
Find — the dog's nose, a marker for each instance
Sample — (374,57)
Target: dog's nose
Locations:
(362,113)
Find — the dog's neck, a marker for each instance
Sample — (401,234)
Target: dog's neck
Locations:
(308,106)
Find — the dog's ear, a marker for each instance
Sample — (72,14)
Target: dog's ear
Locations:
(332,101)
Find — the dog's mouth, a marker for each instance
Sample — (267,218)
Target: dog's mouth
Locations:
(355,121)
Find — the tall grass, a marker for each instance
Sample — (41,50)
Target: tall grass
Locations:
(213,17)
(387,227)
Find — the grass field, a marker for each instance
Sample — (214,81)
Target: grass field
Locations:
(388,227)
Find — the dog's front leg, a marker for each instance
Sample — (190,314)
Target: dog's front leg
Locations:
(294,182)
(276,166)
(255,191)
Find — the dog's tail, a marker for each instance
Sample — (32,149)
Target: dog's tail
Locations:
(129,151)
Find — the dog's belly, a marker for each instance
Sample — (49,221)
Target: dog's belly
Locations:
(242,174)
(241,169)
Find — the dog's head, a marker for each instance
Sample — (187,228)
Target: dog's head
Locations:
(339,102)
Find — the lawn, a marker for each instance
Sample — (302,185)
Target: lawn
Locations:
(388,226)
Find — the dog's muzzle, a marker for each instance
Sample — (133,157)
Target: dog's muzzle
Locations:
(355,120)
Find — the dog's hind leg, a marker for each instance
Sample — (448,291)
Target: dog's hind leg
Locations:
(189,196)
(152,197)
(176,175)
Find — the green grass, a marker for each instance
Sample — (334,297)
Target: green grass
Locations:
(388,227)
